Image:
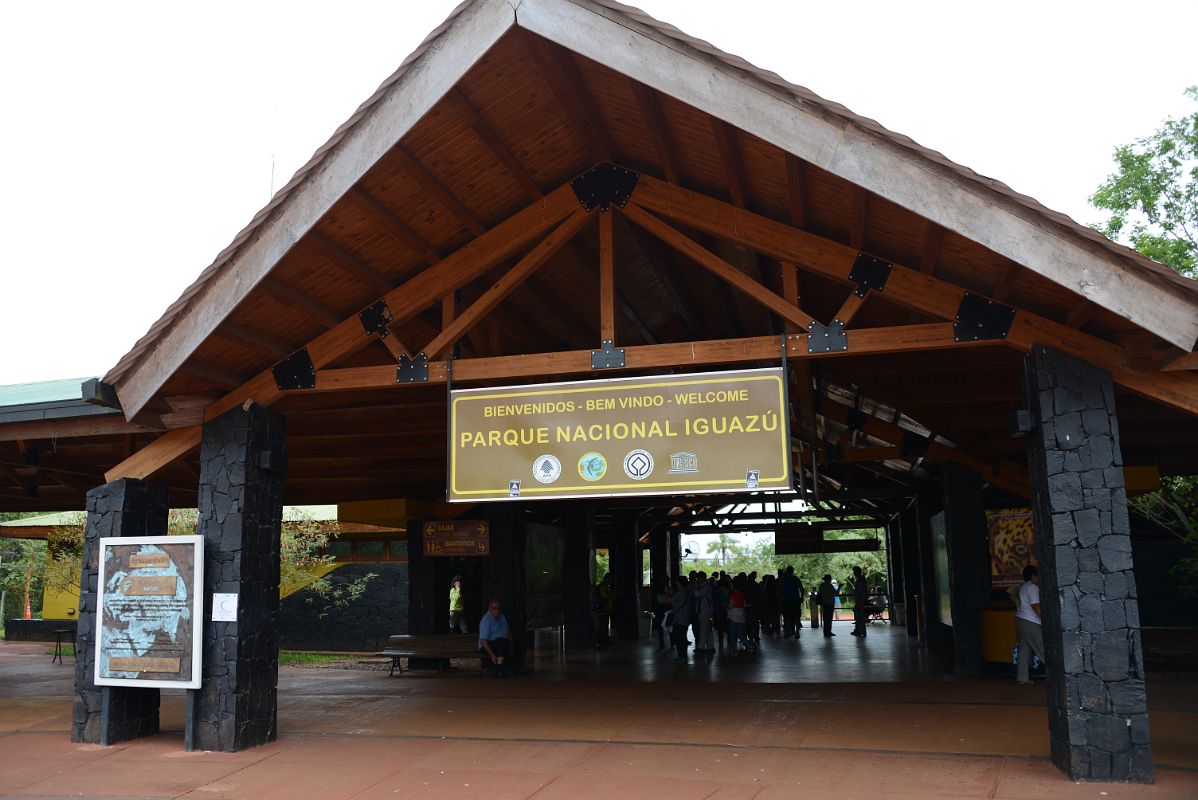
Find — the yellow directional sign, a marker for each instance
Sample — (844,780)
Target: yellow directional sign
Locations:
(670,434)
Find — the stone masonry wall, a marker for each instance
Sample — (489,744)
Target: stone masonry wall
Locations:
(309,622)
(1098,719)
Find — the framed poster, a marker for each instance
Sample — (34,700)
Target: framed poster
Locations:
(657,435)
(149,610)
(1012,545)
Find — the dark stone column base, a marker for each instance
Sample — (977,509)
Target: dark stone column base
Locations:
(1097,705)
(241,511)
(125,507)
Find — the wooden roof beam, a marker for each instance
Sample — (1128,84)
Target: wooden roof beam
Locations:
(291,297)
(253,339)
(433,187)
(347,262)
(797,191)
(717,266)
(650,104)
(561,72)
(905,286)
(860,220)
(587,256)
(211,373)
(393,225)
(733,162)
(508,283)
(906,338)
(346,336)
(470,115)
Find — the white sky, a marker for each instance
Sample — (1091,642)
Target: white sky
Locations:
(138,138)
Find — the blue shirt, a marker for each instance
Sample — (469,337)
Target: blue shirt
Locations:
(492,628)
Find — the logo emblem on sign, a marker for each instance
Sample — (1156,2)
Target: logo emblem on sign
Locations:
(752,478)
(546,469)
(638,465)
(683,463)
(592,466)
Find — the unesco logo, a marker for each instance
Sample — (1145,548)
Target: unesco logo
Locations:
(638,465)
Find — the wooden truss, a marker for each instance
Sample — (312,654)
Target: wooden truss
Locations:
(553,220)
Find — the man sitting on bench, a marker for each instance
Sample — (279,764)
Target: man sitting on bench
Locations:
(494,638)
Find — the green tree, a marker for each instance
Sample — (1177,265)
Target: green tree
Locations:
(1174,507)
(1153,194)
(725,547)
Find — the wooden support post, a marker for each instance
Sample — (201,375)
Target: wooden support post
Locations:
(607,279)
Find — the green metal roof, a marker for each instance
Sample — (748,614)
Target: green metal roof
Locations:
(41,392)
(290,514)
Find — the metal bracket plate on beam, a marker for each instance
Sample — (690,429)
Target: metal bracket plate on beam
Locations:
(868,273)
(376,318)
(979,318)
(856,419)
(412,370)
(603,186)
(296,371)
(831,339)
(607,358)
(914,445)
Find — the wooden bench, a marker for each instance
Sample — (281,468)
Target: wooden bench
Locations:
(434,648)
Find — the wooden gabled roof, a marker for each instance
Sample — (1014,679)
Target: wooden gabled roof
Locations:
(453,179)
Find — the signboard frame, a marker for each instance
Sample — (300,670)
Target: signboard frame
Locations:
(454,495)
(196,579)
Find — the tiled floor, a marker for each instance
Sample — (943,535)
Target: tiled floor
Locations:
(843,718)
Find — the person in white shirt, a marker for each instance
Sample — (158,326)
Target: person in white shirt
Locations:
(1027,623)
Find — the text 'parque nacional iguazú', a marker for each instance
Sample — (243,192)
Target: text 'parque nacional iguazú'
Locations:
(673,434)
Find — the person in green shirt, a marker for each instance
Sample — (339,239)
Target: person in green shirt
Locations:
(457,619)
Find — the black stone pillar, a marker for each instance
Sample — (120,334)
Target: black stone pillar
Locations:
(124,507)
(909,535)
(674,553)
(1097,706)
(507,573)
(580,576)
(658,567)
(969,563)
(626,579)
(241,511)
(895,587)
(937,635)
(425,613)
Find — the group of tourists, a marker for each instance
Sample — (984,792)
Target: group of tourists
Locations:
(734,612)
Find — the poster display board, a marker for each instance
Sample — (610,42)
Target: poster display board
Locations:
(662,435)
(1012,537)
(149,611)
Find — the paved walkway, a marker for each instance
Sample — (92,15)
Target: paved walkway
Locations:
(593,726)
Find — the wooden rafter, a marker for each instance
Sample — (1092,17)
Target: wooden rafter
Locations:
(211,373)
(933,241)
(346,337)
(393,225)
(860,222)
(253,339)
(561,72)
(733,161)
(508,283)
(1000,472)
(1006,283)
(346,261)
(433,187)
(796,187)
(717,266)
(292,297)
(650,104)
(905,286)
(470,115)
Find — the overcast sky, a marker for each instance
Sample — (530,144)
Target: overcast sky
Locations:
(139,138)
